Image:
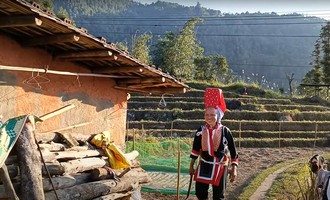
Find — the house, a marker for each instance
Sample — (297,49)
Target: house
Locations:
(47,63)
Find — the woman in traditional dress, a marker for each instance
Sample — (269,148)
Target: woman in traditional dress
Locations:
(215,146)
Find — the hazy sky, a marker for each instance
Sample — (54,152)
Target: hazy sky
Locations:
(320,8)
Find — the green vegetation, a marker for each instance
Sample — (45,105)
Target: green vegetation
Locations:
(288,183)
(259,178)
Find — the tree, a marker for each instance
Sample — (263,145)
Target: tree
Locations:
(325,60)
(320,73)
(46,4)
(140,48)
(212,68)
(176,53)
(162,56)
(122,46)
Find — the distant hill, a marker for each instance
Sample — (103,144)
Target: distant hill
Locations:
(261,47)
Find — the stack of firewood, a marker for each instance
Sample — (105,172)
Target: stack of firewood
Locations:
(78,170)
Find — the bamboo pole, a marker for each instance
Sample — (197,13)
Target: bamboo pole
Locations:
(316,126)
(178,179)
(133,139)
(26,69)
(56,112)
(239,134)
(279,135)
(171,129)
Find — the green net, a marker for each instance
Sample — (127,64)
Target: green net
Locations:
(160,157)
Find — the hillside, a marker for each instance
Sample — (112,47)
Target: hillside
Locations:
(251,42)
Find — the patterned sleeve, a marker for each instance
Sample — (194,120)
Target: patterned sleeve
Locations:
(231,146)
(197,144)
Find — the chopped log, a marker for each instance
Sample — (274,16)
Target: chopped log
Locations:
(100,174)
(65,181)
(9,188)
(29,164)
(56,112)
(54,168)
(84,164)
(98,188)
(70,155)
(53,147)
(72,142)
(75,166)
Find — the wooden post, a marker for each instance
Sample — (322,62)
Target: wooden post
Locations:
(9,188)
(171,129)
(29,163)
(279,135)
(239,134)
(133,139)
(178,179)
(315,135)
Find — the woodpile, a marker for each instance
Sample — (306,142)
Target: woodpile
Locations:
(78,172)
(65,169)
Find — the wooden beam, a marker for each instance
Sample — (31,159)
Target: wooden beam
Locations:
(163,90)
(83,54)
(150,85)
(51,39)
(112,70)
(57,112)
(18,21)
(142,80)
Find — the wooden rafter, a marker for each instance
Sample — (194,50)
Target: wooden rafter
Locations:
(167,90)
(149,85)
(123,69)
(51,39)
(18,21)
(143,80)
(83,54)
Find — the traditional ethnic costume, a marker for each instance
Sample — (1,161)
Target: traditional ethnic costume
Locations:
(215,146)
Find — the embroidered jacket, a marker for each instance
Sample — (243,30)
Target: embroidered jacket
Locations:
(210,145)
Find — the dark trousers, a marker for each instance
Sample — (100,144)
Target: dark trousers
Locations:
(218,191)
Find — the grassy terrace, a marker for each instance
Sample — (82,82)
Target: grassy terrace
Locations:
(170,115)
(136,105)
(236,125)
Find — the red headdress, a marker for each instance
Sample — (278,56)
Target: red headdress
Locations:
(213,97)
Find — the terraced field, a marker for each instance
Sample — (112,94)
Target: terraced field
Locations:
(267,131)
(257,122)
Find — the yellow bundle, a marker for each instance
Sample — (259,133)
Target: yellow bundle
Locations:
(116,157)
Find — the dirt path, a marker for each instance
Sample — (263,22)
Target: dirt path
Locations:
(251,162)
(260,193)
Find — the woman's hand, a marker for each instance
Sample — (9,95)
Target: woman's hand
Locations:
(191,167)
(233,173)
(191,170)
